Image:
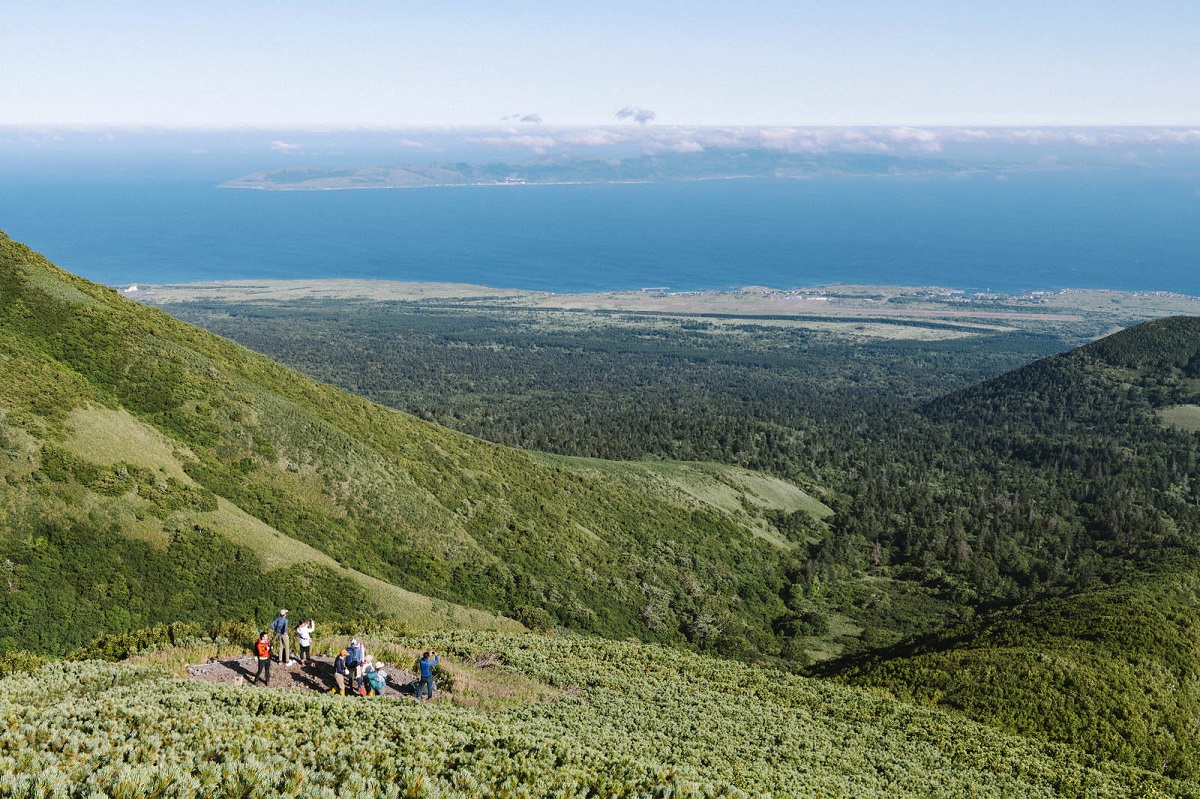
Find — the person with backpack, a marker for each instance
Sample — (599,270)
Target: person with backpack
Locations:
(355,655)
(280,628)
(425,668)
(304,638)
(262,649)
(376,679)
(340,672)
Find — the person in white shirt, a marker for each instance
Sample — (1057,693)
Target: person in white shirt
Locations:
(304,638)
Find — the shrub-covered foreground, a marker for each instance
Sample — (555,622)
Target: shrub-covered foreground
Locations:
(628,720)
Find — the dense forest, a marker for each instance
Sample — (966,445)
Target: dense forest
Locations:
(622,385)
(1048,477)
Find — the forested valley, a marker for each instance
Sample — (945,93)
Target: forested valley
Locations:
(977,519)
(963,490)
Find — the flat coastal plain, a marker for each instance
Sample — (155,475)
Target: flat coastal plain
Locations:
(902,312)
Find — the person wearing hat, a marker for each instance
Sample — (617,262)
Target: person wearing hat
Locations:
(280,628)
(340,672)
(376,679)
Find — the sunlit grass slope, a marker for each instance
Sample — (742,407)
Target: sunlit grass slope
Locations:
(150,471)
(587,717)
(741,493)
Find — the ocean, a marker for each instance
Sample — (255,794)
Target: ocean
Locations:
(1127,229)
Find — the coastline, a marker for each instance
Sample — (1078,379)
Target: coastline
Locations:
(840,303)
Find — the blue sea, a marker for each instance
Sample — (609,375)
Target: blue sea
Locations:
(1124,229)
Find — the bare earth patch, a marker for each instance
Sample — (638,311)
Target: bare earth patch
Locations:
(478,682)
(295,677)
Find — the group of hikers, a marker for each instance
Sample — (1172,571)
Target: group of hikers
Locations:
(353,668)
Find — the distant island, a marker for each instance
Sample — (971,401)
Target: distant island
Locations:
(663,167)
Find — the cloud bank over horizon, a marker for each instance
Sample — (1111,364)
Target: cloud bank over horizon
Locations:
(522,139)
(895,140)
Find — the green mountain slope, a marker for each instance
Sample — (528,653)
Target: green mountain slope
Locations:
(570,716)
(1059,475)
(1085,430)
(1114,671)
(1100,485)
(151,471)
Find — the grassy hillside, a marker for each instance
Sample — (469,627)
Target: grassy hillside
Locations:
(567,716)
(1114,671)
(151,471)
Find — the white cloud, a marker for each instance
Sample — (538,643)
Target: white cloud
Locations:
(598,137)
(1173,137)
(638,115)
(539,144)
(917,139)
(286,147)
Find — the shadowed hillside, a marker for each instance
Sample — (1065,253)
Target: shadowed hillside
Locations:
(1112,671)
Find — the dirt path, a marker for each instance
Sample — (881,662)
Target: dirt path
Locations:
(294,677)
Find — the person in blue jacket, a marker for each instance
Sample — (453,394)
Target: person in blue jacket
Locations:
(340,672)
(355,657)
(280,628)
(425,665)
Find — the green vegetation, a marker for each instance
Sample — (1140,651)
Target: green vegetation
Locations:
(946,498)
(1056,488)
(588,717)
(1114,671)
(1182,417)
(1021,550)
(142,450)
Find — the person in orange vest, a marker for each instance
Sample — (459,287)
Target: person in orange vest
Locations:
(262,648)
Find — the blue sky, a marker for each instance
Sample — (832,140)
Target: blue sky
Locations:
(397,64)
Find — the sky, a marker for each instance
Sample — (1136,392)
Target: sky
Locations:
(304,64)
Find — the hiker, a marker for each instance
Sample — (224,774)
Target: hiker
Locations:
(340,672)
(376,679)
(355,655)
(262,648)
(425,667)
(304,638)
(280,628)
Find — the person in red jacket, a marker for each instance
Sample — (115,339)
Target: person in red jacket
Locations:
(262,648)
